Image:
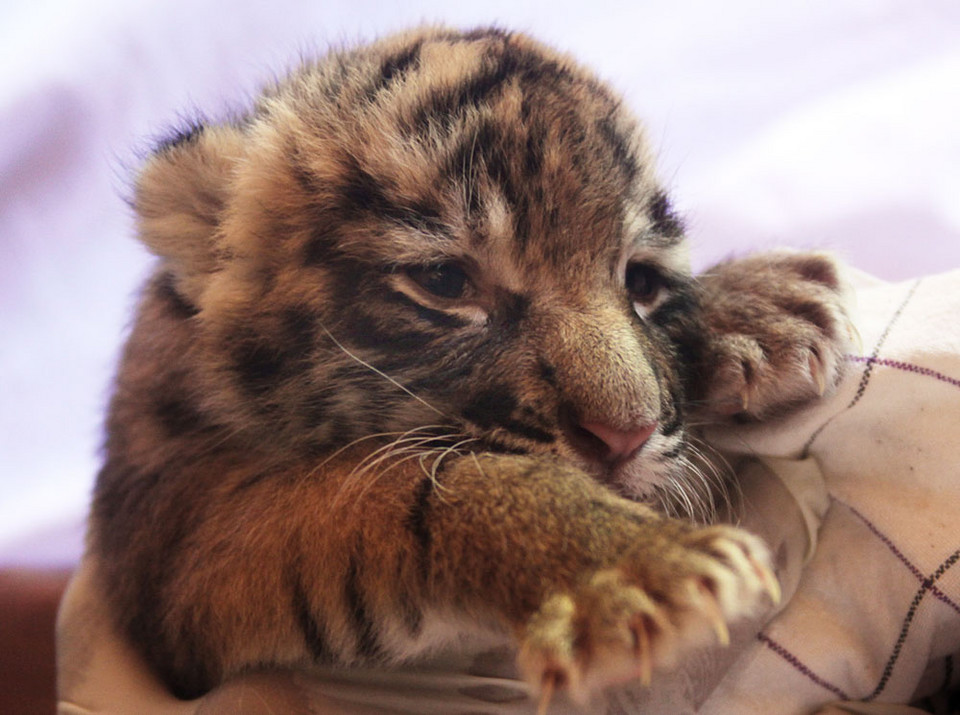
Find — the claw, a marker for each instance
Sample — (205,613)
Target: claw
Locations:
(702,596)
(770,583)
(745,398)
(816,371)
(720,628)
(642,654)
(855,337)
(548,685)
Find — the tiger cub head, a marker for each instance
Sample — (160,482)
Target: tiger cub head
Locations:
(454,239)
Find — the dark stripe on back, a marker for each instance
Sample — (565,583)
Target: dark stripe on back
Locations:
(418,522)
(410,613)
(368,646)
(313,633)
(298,331)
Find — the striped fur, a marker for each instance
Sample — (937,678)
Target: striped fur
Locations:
(353,416)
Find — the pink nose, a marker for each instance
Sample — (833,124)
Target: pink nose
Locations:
(621,444)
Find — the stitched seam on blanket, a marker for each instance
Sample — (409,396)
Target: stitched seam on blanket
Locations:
(868,371)
(799,666)
(908,620)
(940,595)
(865,378)
(907,366)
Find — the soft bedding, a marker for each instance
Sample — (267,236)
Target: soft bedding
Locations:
(858,496)
(877,615)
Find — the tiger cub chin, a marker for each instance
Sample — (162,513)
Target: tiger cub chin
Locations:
(420,356)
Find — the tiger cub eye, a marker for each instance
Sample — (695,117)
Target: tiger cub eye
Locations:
(443,280)
(644,282)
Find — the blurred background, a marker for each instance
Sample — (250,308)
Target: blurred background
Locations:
(828,124)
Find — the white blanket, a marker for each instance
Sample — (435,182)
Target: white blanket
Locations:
(859,496)
(877,614)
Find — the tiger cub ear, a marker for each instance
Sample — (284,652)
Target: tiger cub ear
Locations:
(180,196)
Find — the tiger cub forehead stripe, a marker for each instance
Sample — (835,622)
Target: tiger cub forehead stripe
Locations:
(395,66)
(665,221)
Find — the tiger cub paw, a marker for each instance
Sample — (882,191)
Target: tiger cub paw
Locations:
(625,622)
(778,328)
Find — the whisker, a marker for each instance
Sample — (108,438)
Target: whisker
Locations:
(353,443)
(706,481)
(453,449)
(357,489)
(407,445)
(378,435)
(405,454)
(697,486)
(376,457)
(379,372)
(728,489)
(702,492)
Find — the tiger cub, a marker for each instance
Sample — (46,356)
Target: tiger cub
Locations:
(419,357)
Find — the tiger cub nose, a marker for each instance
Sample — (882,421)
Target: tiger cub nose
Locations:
(620,444)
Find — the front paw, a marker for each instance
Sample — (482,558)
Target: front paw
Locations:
(778,327)
(625,622)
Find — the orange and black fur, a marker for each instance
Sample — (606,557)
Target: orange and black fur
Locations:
(420,352)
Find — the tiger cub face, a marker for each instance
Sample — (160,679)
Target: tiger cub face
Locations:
(453,239)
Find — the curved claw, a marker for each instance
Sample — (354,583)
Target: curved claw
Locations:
(855,337)
(770,583)
(641,652)
(701,595)
(816,372)
(547,687)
